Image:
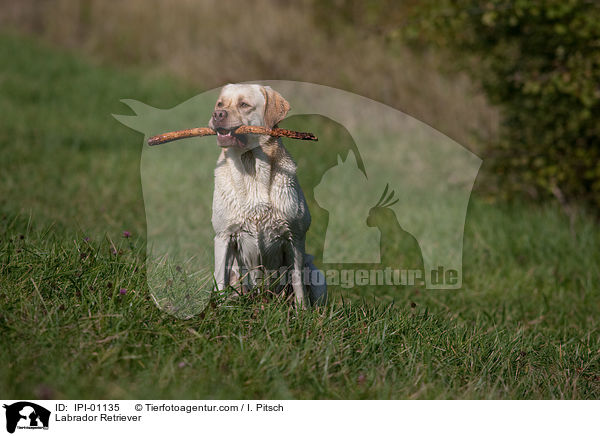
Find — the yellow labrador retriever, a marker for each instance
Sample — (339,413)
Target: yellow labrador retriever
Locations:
(260,215)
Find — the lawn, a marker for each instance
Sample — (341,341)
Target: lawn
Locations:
(77,320)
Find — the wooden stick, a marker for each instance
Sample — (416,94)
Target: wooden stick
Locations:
(276,132)
(180,134)
(242,130)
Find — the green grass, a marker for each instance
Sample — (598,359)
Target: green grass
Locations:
(525,324)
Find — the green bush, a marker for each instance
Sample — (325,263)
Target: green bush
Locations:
(539,61)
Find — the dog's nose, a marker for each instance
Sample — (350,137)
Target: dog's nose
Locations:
(219,115)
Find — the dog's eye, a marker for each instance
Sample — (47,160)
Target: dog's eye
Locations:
(244,104)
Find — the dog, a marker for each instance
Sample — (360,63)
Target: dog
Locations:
(260,216)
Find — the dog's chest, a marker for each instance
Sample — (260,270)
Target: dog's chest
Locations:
(250,200)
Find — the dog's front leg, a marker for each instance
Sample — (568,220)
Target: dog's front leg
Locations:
(297,255)
(223,261)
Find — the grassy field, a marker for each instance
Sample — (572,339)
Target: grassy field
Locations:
(525,324)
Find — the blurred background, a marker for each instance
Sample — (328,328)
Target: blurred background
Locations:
(518,84)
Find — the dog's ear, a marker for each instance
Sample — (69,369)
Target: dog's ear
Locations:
(276,107)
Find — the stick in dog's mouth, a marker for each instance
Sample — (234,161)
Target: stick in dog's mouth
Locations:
(225,132)
(229,137)
(241,130)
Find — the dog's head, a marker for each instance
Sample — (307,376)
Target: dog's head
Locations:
(248,105)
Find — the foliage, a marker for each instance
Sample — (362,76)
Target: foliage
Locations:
(538,61)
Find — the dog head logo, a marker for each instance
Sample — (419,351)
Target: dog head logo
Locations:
(428,175)
(26,415)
